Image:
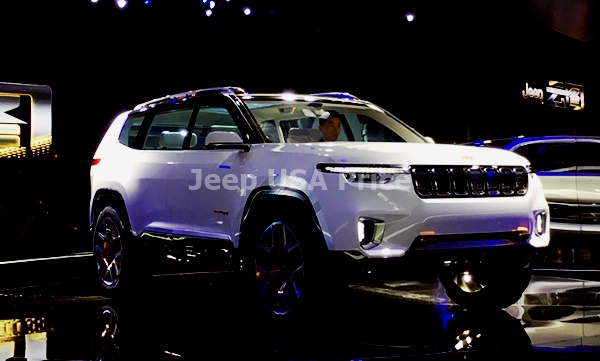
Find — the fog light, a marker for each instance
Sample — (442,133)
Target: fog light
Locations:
(540,223)
(370,232)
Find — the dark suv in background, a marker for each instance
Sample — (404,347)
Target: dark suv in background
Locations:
(569,168)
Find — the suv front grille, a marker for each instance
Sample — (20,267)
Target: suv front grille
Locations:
(465,181)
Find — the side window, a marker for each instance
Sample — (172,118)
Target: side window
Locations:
(587,157)
(373,131)
(178,127)
(355,126)
(168,129)
(270,130)
(130,130)
(549,157)
(209,119)
(306,130)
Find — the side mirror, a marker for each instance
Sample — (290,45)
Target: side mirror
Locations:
(429,140)
(225,140)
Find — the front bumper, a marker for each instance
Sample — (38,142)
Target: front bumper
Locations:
(434,262)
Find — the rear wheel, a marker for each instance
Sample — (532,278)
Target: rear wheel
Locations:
(109,235)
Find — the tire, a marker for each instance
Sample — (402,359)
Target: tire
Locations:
(488,288)
(106,337)
(283,267)
(109,236)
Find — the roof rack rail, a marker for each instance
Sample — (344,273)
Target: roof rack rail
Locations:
(189,94)
(338,95)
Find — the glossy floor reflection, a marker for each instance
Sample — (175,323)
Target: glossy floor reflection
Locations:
(199,319)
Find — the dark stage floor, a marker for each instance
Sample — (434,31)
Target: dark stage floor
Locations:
(196,318)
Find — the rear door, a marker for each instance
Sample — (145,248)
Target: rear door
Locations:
(588,184)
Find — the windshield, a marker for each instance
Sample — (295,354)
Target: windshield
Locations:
(305,122)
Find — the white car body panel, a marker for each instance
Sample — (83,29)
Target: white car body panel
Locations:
(176,205)
(221,180)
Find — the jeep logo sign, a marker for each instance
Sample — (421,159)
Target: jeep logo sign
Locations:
(557,94)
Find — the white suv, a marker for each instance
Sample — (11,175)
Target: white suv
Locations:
(222,180)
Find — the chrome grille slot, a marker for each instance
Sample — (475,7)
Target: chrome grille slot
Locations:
(441,181)
(460,181)
(507,181)
(493,181)
(478,182)
(520,181)
(422,181)
(469,181)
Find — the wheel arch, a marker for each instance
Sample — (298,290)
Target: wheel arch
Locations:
(108,197)
(288,199)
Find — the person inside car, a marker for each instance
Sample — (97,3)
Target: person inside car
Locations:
(330,127)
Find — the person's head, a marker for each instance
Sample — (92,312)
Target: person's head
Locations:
(331,126)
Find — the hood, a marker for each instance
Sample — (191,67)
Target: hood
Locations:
(406,153)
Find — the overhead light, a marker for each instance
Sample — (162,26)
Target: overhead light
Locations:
(121,4)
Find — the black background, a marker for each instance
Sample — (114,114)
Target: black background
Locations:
(455,73)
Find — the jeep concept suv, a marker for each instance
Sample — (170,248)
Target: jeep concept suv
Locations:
(222,180)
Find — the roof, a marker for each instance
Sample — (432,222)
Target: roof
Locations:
(548,138)
(510,142)
(173,98)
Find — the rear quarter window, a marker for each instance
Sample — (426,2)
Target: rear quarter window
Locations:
(130,130)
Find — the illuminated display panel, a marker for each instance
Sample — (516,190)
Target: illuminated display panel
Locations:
(25,120)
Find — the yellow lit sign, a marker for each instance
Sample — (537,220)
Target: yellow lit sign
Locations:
(25,119)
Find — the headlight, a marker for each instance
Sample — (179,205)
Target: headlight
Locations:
(365,173)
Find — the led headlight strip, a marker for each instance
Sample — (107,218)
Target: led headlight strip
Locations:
(364,173)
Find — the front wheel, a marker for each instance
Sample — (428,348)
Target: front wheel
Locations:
(486,289)
(283,266)
(279,268)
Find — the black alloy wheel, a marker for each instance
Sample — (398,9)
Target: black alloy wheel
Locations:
(108,236)
(106,337)
(486,289)
(279,268)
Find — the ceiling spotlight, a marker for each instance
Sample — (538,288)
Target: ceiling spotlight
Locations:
(121,4)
